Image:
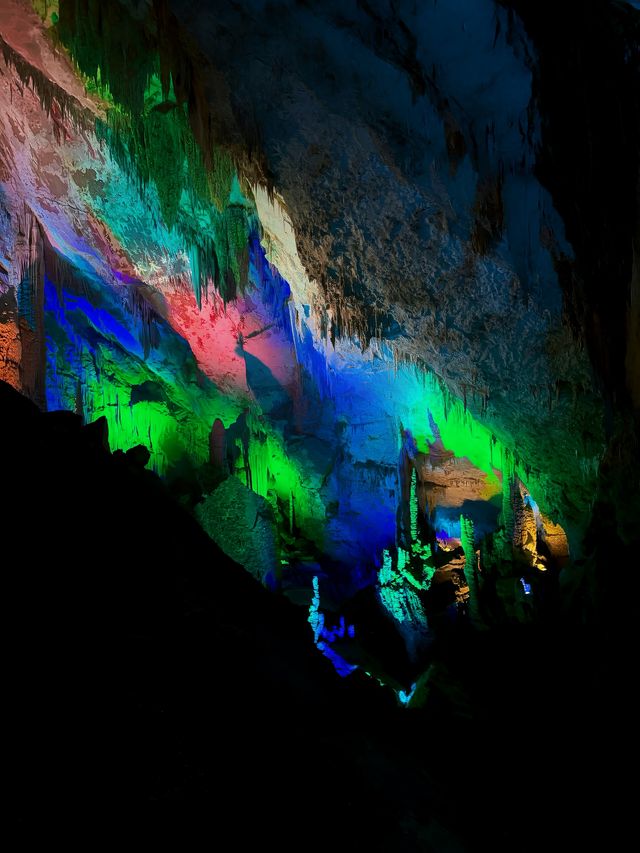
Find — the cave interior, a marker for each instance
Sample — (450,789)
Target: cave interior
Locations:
(320,380)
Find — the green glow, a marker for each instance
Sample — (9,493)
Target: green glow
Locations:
(169,430)
(418,393)
(203,206)
(508,479)
(459,431)
(148,131)
(173,422)
(397,596)
(467,541)
(274,475)
(413,507)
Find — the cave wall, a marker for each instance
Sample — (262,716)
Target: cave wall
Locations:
(339,234)
(404,145)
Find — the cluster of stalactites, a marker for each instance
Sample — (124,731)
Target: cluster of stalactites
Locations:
(262,463)
(525,531)
(54,100)
(399,587)
(110,48)
(349,319)
(34,260)
(155,134)
(30,273)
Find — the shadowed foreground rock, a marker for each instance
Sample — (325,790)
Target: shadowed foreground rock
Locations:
(144,664)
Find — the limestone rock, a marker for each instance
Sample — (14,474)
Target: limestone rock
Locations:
(242,524)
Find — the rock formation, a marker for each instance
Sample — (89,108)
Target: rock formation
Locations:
(359,282)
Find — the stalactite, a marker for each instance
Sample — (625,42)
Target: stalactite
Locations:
(272,473)
(53,98)
(149,130)
(467,540)
(140,309)
(400,600)
(30,247)
(110,47)
(414,507)
(61,271)
(507,518)
(525,534)
(98,365)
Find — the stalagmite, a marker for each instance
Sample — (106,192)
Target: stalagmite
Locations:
(471,571)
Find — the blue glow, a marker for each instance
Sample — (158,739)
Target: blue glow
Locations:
(323,636)
(447,524)
(101,320)
(405,698)
(274,290)
(526,586)
(529,501)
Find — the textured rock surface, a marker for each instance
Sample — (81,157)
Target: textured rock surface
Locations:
(242,524)
(442,305)
(442,185)
(403,143)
